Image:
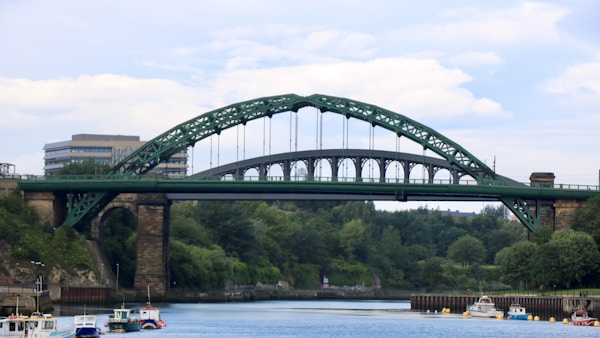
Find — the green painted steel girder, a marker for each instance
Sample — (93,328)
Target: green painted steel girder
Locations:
(186,134)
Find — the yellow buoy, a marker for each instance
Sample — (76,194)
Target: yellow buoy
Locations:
(565,321)
(530,317)
(552,320)
(536,318)
(466,313)
(447,310)
(499,316)
(596,323)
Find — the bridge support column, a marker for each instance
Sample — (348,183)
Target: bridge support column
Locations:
(48,206)
(563,210)
(152,246)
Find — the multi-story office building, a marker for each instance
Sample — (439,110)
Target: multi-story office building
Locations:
(105,149)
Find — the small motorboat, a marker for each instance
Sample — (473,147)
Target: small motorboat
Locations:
(85,327)
(123,321)
(516,311)
(150,316)
(581,317)
(484,307)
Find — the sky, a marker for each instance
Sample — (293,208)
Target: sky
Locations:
(516,83)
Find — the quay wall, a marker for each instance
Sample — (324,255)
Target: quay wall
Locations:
(545,307)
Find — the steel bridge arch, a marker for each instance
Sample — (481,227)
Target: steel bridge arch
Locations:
(186,134)
(334,157)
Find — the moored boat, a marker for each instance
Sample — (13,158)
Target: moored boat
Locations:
(581,317)
(485,307)
(150,316)
(518,312)
(123,321)
(35,326)
(85,327)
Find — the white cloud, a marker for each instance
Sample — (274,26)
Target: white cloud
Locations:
(580,82)
(527,22)
(106,102)
(475,59)
(415,87)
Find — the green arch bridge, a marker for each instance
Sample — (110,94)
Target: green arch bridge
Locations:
(87,196)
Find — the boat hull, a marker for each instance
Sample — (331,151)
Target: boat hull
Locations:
(521,316)
(150,324)
(87,332)
(129,326)
(586,322)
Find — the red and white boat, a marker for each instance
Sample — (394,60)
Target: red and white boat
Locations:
(580,317)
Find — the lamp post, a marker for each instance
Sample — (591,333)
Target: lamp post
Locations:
(39,266)
(117,278)
(102,273)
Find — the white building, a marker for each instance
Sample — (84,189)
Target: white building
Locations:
(105,149)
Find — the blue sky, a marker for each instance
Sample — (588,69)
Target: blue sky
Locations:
(514,81)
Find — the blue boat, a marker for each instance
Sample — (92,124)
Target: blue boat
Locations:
(123,321)
(516,311)
(85,327)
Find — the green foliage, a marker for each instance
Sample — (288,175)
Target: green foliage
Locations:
(467,250)
(87,167)
(566,259)
(515,262)
(119,243)
(30,240)
(542,235)
(588,219)
(352,235)
(350,274)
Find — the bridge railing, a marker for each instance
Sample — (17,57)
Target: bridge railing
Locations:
(324,179)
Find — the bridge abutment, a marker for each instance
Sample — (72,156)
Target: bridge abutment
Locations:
(557,213)
(49,206)
(152,245)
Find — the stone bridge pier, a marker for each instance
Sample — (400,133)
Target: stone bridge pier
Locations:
(152,212)
(152,269)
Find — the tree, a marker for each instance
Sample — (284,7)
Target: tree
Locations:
(432,274)
(467,250)
(351,236)
(566,259)
(87,167)
(516,262)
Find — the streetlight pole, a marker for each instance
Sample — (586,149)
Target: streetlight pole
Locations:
(117,278)
(40,265)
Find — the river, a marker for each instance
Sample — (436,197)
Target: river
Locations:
(330,319)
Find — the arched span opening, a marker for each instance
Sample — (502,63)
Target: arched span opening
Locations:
(370,171)
(443,176)
(323,170)
(251,174)
(394,173)
(299,171)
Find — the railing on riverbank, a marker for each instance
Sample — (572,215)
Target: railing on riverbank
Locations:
(543,306)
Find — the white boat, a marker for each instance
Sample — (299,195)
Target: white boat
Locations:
(35,326)
(150,316)
(485,307)
(581,317)
(85,327)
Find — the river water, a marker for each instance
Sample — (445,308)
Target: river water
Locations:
(330,319)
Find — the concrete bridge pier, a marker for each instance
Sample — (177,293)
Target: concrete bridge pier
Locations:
(152,269)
